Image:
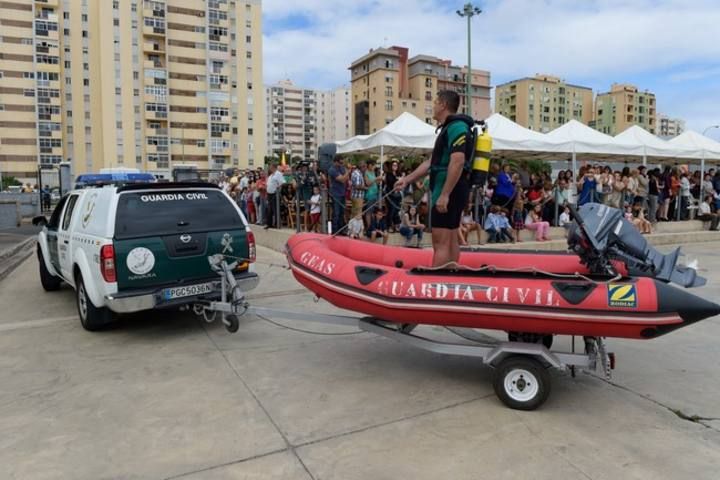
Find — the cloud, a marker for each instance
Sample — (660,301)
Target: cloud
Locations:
(694,74)
(594,42)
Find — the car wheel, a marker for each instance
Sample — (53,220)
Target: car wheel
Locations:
(49,282)
(92,318)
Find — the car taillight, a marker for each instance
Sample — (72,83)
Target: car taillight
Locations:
(251,247)
(107,263)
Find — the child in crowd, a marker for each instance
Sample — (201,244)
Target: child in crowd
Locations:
(639,220)
(505,228)
(378,227)
(467,225)
(628,213)
(492,225)
(355,226)
(564,220)
(315,210)
(535,222)
(518,212)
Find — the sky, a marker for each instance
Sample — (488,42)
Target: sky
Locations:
(669,47)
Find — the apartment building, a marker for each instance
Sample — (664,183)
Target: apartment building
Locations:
(669,127)
(623,106)
(334,110)
(386,83)
(544,102)
(299,120)
(146,84)
(291,115)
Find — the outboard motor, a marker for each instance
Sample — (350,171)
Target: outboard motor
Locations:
(601,234)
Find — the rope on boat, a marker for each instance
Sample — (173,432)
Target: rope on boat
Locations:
(533,270)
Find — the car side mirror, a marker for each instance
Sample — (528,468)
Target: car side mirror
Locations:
(40,220)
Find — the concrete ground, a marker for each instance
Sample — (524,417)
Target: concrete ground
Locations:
(165,395)
(10,237)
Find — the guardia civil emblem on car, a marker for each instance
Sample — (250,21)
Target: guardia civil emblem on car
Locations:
(226,242)
(140,260)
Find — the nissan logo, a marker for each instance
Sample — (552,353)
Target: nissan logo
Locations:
(185,238)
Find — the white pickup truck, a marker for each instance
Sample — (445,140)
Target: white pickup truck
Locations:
(128,248)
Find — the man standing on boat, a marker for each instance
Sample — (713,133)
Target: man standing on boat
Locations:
(448,177)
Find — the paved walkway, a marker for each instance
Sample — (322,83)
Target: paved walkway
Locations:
(166,396)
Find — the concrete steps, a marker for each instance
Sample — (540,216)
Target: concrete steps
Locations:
(666,233)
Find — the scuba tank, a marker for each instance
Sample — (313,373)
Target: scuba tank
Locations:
(481,160)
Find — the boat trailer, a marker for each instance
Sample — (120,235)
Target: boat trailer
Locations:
(521,379)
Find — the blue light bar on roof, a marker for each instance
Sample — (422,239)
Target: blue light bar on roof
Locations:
(90,179)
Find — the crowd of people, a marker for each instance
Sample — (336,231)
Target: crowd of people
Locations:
(361,201)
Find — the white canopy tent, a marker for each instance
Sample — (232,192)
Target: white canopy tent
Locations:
(510,137)
(654,146)
(408,134)
(585,140)
(404,135)
(708,148)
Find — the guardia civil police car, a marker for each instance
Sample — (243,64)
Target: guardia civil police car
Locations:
(127,246)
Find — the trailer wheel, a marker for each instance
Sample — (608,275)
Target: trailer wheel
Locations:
(521,382)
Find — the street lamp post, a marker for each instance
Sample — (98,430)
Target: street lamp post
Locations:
(469,11)
(710,128)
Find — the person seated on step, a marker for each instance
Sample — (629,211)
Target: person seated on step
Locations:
(639,220)
(534,221)
(467,225)
(410,226)
(492,224)
(505,228)
(355,226)
(378,227)
(705,213)
(564,220)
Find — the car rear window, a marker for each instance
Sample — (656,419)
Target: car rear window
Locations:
(168,212)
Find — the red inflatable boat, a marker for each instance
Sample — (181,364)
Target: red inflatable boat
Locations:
(534,292)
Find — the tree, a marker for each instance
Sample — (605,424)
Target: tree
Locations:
(10,181)
(538,167)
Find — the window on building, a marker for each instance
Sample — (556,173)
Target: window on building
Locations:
(388,105)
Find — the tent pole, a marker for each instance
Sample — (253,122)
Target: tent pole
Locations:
(702,177)
(574,179)
(382,172)
(644,155)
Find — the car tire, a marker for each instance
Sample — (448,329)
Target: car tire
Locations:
(92,318)
(50,282)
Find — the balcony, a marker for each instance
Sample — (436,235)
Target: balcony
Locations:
(51,17)
(154,47)
(154,64)
(154,30)
(150,115)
